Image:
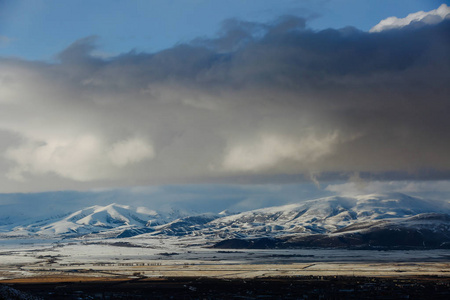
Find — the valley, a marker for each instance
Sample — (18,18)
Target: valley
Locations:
(376,237)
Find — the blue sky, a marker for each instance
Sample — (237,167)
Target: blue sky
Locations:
(40,29)
(247,103)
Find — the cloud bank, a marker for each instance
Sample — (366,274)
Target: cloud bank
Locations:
(436,189)
(271,102)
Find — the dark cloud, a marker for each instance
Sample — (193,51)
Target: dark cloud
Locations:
(79,51)
(271,101)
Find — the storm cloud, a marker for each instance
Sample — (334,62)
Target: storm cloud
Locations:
(271,102)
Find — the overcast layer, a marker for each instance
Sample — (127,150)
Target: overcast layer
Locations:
(260,103)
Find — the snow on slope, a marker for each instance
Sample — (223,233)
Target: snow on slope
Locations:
(323,215)
(94,219)
(320,216)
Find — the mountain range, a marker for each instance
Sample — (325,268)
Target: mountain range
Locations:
(368,221)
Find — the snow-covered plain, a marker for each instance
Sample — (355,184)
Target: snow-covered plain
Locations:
(167,257)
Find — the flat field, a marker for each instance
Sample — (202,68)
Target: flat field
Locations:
(118,259)
(127,265)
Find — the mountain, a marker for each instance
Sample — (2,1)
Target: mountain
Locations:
(424,231)
(187,225)
(321,216)
(95,219)
(368,221)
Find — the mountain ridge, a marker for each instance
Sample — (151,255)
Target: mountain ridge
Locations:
(336,220)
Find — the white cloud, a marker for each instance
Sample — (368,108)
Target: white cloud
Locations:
(84,158)
(431,17)
(269,150)
(130,151)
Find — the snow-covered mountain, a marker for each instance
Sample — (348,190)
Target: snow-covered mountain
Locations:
(394,220)
(113,218)
(327,221)
(318,216)
(427,230)
(325,215)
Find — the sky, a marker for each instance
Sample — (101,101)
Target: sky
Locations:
(224,99)
(39,29)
